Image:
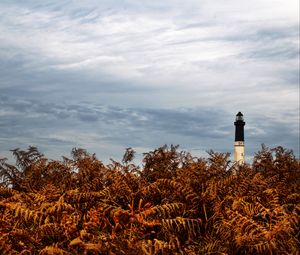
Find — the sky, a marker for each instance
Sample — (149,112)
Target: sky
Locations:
(107,75)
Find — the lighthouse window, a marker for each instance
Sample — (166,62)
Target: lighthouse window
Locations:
(238,117)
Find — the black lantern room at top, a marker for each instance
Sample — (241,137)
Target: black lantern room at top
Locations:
(239,127)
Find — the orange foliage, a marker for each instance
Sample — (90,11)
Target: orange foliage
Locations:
(176,204)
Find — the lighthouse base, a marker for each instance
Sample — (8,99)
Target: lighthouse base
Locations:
(239,152)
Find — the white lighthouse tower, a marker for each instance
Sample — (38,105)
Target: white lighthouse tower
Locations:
(239,143)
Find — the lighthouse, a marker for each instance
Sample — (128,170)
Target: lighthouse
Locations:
(239,143)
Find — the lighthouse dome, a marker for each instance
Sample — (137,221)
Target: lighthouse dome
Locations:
(239,116)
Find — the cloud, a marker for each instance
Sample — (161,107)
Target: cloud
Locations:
(102,128)
(149,73)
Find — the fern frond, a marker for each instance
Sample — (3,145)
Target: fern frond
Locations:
(59,207)
(182,226)
(92,247)
(5,248)
(76,242)
(185,193)
(6,192)
(165,211)
(273,200)
(53,250)
(23,214)
(50,231)
(74,196)
(22,239)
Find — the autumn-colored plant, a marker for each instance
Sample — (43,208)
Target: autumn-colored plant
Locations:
(173,204)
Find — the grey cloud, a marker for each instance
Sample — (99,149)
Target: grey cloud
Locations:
(264,33)
(277,33)
(88,116)
(140,127)
(113,121)
(62,94)
(51,83)
(189,122)
(291,77)
(284,52)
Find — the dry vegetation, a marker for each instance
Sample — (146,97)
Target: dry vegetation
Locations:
(176,204)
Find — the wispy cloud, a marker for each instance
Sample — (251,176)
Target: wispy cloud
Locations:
(62,127)
(138,73)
